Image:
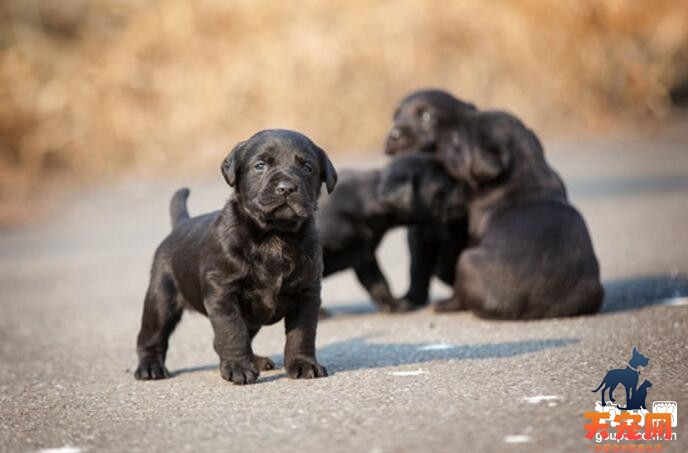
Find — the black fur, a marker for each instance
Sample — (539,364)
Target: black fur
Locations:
(420,120)
(353,220)
(533,257)
(256,261)
(422,117)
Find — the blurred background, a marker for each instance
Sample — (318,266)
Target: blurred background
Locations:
(93,89)
(108,106)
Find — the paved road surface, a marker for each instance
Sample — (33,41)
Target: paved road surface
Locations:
(72,288)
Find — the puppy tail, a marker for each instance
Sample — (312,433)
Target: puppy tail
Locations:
(178,210)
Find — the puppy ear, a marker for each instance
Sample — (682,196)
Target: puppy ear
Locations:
(396,187)
(329,174)
(229,166)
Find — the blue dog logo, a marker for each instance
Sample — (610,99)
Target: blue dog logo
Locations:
(628,377)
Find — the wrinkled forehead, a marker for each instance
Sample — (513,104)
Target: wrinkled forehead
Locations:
(437,99)
(280,147)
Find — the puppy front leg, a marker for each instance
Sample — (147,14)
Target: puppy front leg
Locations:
(424,250)
(371,277)
(300,325)
(232,340)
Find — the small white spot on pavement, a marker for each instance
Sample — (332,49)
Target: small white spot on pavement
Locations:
(537,399)
(408,373)
(65,449)
(518,439)
(437,347)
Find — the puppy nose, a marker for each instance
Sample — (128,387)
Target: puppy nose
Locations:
(285,188)
(395,133)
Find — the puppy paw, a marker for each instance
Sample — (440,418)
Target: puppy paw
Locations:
(448,305)
(416,298)
(148,370)
(239,372)
(263,363)
(403,306)
(395,306)
(305,368)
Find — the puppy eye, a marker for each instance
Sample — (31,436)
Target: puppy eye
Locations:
(308,168)
(260,166)
(427,116)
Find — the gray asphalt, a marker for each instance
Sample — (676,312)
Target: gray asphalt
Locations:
(71,296)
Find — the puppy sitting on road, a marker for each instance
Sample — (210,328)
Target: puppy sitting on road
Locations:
(533,256)
(256,261)
(353,220)
(419,121)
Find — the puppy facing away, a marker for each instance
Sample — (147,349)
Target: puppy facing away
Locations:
(533,256)
(353,220)
(420,120)
(254,262)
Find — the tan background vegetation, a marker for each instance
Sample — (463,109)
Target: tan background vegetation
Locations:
(90,88)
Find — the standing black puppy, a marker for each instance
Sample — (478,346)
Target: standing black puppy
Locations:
(353,220)
(256,261)
(419,121)
(533,256)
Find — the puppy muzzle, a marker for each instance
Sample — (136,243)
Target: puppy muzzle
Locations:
(398,140)
(401,140)
(285,200)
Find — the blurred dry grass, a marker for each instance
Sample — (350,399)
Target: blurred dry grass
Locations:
(89,88)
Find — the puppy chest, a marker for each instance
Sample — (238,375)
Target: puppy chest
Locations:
(269,277)
(270,270)
(262,298)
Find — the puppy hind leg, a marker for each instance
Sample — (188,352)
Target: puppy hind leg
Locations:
(487,287)
(161,314)
(372,278)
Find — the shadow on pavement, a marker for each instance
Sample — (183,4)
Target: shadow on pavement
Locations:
(633,293)
(265,376)
(357,353)
(354,308)
(194,369)
(620,295)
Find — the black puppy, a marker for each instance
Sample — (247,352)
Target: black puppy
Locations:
(534,257)
(256,261)
(353,220)
(419,121)
(367,204)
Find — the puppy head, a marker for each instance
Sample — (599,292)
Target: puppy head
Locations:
(277,175)
(417,188)
(489,147)
(421,117)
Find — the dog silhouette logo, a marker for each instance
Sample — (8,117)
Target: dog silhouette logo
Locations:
(612,421)
(628,377)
